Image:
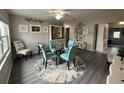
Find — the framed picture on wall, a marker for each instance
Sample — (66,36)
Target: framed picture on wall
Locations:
(35,28)
(22,28)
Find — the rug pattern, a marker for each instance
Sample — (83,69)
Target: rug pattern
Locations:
(59,73)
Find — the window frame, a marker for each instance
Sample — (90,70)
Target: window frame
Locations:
(116,33)
(8,42)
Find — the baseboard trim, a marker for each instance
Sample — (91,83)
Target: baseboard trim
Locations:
(101,52)
(96,51)
(90,50)
(9,72)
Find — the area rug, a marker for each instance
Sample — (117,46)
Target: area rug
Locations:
(59,73)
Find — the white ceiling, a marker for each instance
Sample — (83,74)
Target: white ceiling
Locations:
(86,15)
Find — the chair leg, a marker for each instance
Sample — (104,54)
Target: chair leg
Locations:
(68,65)
(17,57)
(56,61)
(45,64)
(25,57)
(121,58)
(31,54)
(43,61)
(74,62)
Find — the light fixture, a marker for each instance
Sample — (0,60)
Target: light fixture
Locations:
(58,16)
(66,26)
(121,22)
(58,13)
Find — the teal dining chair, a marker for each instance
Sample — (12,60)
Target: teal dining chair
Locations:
(69,56)
(71,43)
(53,45)
(48,56)
(39,48)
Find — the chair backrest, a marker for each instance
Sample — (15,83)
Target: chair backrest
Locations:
(40,48)
(40,45)
(71,43)
(53,44)
(44,53)
(18,45)
(71,53)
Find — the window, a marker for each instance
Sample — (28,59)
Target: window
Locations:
(116,35)
(4,39)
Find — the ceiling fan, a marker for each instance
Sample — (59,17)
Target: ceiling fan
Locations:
(59,13)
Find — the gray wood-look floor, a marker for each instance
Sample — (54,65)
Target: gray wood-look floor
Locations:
(96,70)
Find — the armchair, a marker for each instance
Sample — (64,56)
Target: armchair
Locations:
(69,56)
(20,49)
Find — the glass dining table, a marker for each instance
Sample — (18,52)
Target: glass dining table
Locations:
(58,53)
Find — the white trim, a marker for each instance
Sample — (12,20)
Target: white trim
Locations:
(101,52)
(4,60)
(96,51)
(20,26)
(57,25)
(50,31)
(90,50)
(7,81)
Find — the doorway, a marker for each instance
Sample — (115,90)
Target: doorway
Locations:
(95,36)
(67,35)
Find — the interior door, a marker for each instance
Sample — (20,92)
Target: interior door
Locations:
(67,36)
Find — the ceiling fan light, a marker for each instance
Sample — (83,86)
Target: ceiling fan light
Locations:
(58,17)
(121,22)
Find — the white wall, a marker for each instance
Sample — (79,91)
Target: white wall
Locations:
(30,39)
(88,38)
(7,63)
(102,37)
(99,46)
(116,25)
(4,16)
(6,69)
